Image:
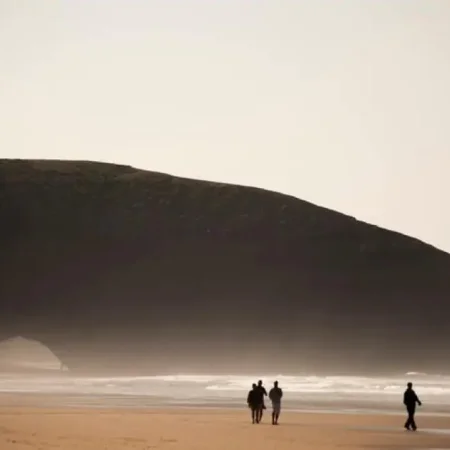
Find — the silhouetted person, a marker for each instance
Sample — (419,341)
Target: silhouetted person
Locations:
(252,402)
(409,400)
(275,395)
(261,392)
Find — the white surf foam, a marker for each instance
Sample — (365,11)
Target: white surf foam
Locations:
(432,389)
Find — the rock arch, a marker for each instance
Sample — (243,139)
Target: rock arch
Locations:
(21,353)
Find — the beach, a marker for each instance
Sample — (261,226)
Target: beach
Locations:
(68,411)
(24,427)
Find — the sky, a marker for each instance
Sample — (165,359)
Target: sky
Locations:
(343,103)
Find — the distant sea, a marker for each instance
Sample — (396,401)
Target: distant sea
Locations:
(302,393)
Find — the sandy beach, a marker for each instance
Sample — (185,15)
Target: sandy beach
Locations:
(209,429)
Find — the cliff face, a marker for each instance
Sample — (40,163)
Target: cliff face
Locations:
(125,267)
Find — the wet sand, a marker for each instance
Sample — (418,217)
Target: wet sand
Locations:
(27,428)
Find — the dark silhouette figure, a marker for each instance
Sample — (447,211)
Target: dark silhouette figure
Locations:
(409,400)
(275,395)
(260,393)
(252,403)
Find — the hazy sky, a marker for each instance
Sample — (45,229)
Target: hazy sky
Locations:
(343,103)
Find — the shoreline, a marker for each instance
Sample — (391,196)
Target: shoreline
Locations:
(304,394)
(17,400)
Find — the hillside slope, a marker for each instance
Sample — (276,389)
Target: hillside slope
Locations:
(116,267)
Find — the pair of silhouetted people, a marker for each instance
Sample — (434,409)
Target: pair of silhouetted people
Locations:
(255,401)
(410,400)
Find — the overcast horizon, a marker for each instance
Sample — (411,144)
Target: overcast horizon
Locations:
(343,104)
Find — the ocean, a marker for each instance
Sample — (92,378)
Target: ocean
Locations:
(302,392)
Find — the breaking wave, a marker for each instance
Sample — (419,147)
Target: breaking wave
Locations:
(432,388)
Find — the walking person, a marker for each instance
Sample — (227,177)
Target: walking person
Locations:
(252,402)
(410,400)
(261,392)
(275,395)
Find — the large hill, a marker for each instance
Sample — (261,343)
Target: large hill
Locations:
(119,268)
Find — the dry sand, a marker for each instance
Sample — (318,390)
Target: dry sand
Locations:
(106,429)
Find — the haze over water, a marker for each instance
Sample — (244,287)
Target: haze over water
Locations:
(31,368)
